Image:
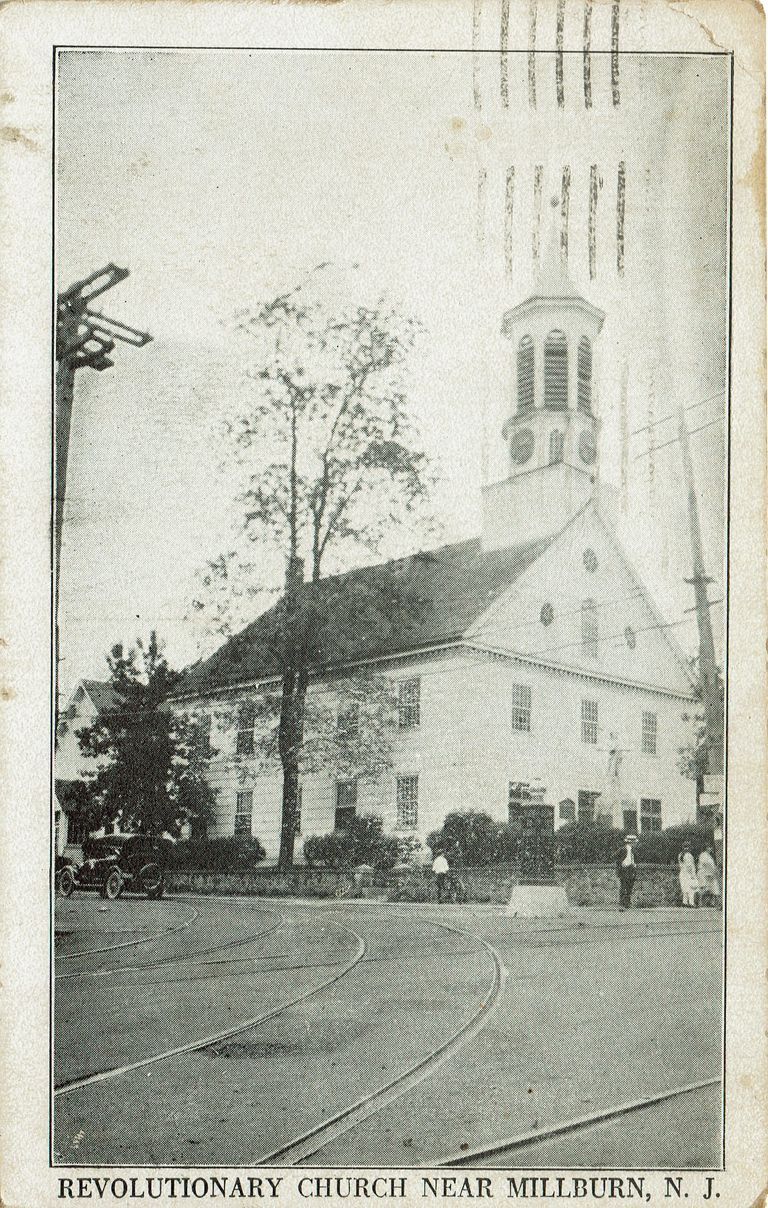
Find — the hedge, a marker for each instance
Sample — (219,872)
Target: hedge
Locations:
(233,853)
(362,842)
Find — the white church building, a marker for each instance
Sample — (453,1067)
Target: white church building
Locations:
(540,658)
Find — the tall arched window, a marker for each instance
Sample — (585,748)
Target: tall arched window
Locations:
(525,375)
(555,447)
(589,630)
(584,388)
(556,371)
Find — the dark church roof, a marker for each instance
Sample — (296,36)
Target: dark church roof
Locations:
(435,597)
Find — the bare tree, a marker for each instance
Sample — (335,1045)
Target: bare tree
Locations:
(332,462)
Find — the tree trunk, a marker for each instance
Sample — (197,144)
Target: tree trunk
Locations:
(290,739)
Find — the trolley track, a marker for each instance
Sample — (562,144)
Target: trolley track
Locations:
(308,1143)
(145,939)
(470,1157)
(301,1147)
(205,1042)
(242,942)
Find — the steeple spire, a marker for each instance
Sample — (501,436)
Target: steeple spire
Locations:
(553,280)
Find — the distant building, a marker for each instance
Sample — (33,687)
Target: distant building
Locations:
(72,767)
(540,657)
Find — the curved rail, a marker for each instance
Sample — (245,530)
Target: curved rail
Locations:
(146,939)
(304,1146)
(178,960)
(469,1157)
(194,1046)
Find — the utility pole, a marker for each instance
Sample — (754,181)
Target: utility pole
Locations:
(84,338)
(713,715)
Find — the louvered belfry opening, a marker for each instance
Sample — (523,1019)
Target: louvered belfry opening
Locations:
(525,400)
(584,387)
(556,371)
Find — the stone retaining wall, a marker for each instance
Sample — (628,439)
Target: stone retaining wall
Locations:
(585,884)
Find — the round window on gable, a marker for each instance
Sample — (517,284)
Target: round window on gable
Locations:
(547,614)
(590,560)
(629,637)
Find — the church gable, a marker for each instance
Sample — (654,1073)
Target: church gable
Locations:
(580,605)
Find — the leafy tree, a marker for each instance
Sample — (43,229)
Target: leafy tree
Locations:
(693,756)
(331,463)
(151,760)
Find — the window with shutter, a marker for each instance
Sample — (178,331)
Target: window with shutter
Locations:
(525,379)
(556,371)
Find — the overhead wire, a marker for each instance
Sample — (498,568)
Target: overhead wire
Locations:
(675,439)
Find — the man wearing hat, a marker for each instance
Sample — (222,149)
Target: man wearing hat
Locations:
(626,870)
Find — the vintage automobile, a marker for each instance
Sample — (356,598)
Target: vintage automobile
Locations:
(117,862)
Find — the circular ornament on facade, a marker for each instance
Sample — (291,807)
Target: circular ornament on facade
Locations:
(547,614)
(589,558)
(629,637)
(587,448)
(522,446)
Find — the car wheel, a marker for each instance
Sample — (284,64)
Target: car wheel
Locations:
(152,881)
(113,886)
(65,883)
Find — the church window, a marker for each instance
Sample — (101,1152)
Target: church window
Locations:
(589,628)
(555,447)
(589,721)
(521,707)
(245,723)
(650,815)
(629,817)
(348,721)
(590,560)
(346,803)
(407,802)
(556,371)
(648,733)
(409,704)
(629,637)
(584,376)
(203,736)
(243,812)
(587,804)
(525,376)
(547,614)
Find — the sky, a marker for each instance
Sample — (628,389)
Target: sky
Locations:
(219,179)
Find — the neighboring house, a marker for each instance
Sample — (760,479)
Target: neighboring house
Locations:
(539,659)
(89,699)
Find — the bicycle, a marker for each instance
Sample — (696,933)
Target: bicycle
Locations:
(455,890)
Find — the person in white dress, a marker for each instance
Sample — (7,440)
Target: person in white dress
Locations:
(709,882)
(689,884)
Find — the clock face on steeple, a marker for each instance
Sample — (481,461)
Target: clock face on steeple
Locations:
(587,448)
(522,446)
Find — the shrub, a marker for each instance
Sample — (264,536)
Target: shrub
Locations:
(362,842)
(232,854)
(474,838)
(663,847)
(587,843)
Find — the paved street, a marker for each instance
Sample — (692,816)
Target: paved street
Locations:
(212,1031)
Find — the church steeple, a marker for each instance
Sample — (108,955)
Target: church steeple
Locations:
(551,430)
